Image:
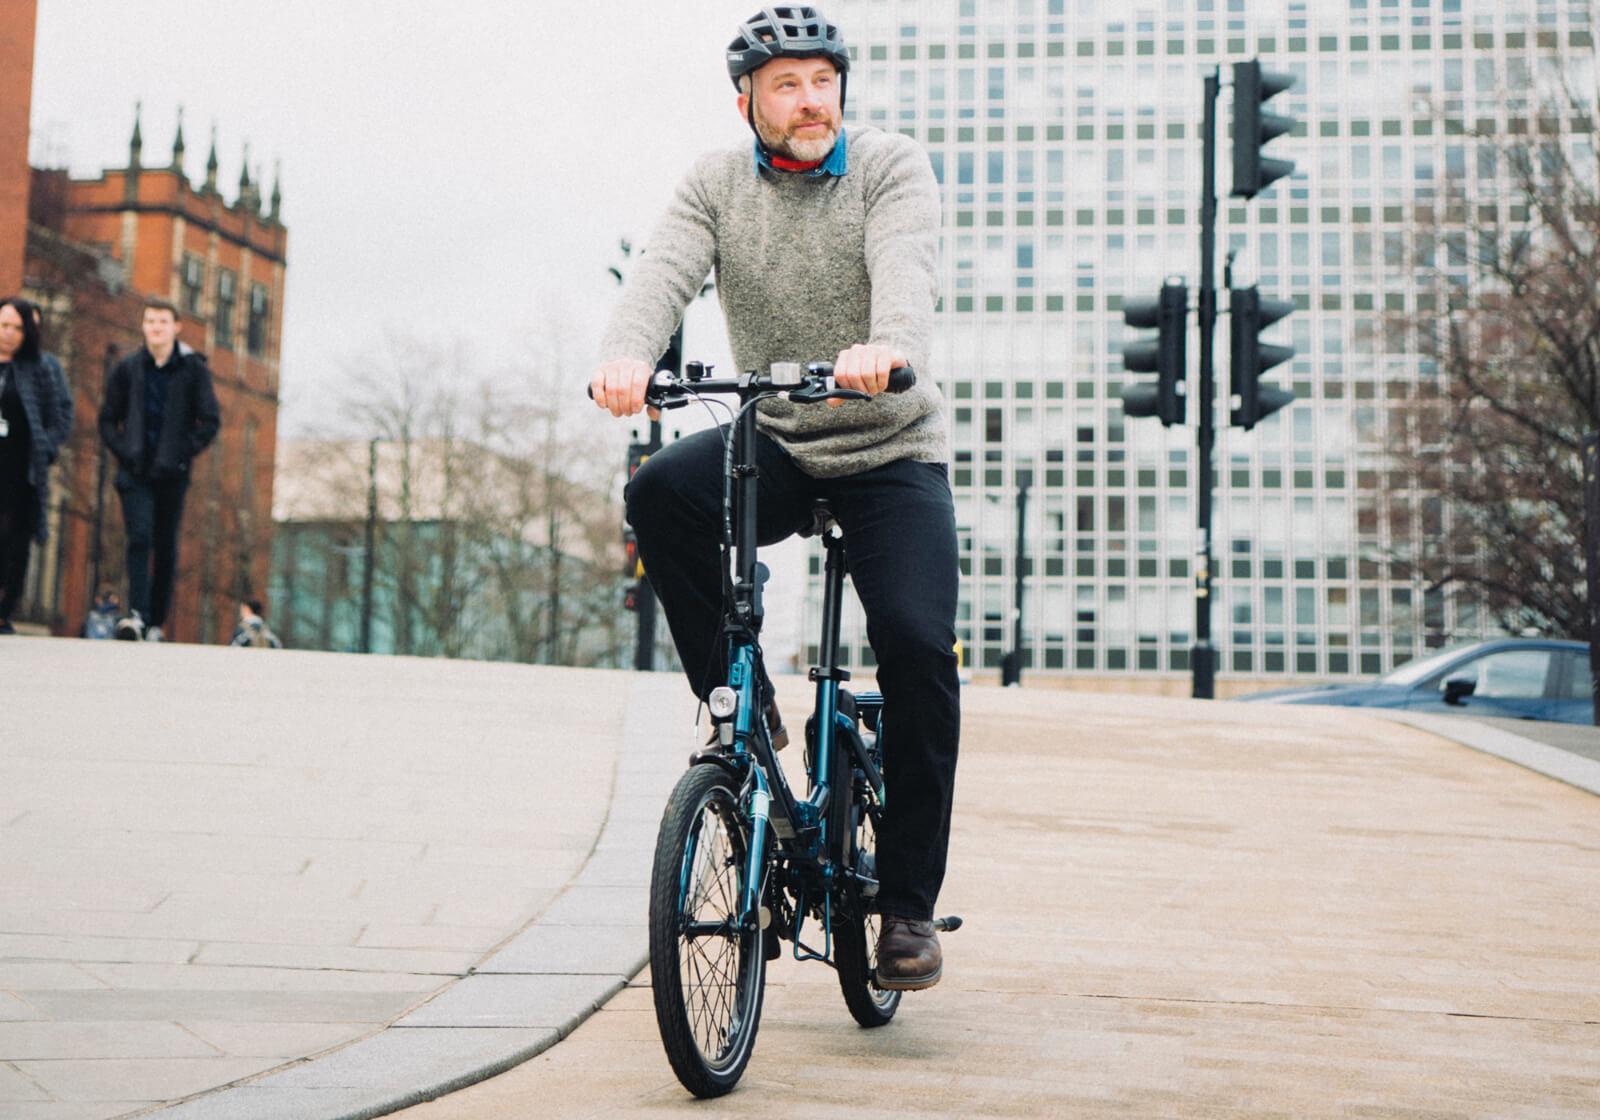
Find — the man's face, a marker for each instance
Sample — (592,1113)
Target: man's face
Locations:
(796,106)
(160,328)
(11,333)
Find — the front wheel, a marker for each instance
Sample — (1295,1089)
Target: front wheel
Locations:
(707,969)
(856,923)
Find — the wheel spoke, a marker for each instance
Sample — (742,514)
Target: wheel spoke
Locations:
(708,969)
(711,943)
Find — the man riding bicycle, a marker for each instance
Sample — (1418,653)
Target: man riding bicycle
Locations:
(824,246)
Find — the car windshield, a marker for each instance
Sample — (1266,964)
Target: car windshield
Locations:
(1413,671)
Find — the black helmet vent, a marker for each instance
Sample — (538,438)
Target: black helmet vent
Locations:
(788,31)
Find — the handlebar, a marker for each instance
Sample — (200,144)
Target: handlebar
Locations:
(816,384)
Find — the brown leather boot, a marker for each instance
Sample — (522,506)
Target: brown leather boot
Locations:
(776,731)
(909,957)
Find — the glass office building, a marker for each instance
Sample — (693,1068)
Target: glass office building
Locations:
(1066,137)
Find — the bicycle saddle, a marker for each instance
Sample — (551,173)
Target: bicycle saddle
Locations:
(821,518)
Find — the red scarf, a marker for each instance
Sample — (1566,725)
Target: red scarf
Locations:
(783,164)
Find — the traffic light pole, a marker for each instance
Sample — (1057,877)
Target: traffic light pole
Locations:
(1202,659)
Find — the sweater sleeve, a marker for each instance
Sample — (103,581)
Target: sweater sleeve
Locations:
(902,246)
(668,275)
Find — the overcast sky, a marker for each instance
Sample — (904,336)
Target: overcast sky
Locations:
(447,168)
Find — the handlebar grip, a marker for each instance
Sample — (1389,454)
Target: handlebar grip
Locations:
(901,379)
(588,390)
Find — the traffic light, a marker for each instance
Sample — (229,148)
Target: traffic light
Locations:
(1252,128)
(632,566)
(1249,316)
(637,454)
(1165,356)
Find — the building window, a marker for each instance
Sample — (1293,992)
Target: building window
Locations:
(256,335)
(227,292)
(193,281)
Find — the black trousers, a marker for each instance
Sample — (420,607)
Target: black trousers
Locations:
(151,512)
(19,513)
(900,543)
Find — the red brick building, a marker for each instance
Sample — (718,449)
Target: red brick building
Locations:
(16,98)
(95,249)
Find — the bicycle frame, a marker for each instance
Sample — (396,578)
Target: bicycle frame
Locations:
(799,825)
(787,858)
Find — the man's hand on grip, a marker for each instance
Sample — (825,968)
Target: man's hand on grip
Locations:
(865,368)
(619,386)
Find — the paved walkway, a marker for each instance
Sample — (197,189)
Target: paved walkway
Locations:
(358,883)
(218,862)
(1185,909)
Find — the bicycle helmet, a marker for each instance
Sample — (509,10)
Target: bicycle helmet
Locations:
(800,31)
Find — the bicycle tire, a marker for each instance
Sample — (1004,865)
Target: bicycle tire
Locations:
(856,926)
(708,986)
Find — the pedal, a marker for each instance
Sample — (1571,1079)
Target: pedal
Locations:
(947,925)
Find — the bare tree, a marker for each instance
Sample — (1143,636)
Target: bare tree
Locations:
(559,495)
(498,524)
(1513,324)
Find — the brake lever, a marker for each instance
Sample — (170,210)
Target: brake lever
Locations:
(823,393)
(666,404)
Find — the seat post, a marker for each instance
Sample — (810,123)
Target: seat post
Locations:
(832,597)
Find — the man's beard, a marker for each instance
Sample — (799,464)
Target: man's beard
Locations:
(790,147)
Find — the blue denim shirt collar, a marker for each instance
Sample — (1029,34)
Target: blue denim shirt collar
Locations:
(836,164)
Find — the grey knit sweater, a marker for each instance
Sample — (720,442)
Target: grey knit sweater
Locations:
(805,268)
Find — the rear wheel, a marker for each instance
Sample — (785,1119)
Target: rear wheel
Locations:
(707,971)
(856,923)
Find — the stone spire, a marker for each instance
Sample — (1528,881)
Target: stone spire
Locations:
(211,163)
(130,181)
(277,190)
(177,145)
(136,144)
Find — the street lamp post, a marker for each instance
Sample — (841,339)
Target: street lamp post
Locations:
(96,546)
(1591,488)
(367,554)
(1011,664)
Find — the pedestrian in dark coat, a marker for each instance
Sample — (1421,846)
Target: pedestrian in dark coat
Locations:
(35,421)
(159,412)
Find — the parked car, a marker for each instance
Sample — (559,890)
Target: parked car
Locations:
(1512,678)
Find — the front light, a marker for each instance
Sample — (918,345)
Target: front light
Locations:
(722,702)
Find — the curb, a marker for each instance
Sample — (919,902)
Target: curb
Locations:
(1552,762)
(526,995)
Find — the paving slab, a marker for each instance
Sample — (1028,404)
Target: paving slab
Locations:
(1185,909)
(148,1080)
(360,1010)
(500,1000)
(22,1041)
(550,948)
(69,1110)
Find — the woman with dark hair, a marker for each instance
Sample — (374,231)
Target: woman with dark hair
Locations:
(35,420)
